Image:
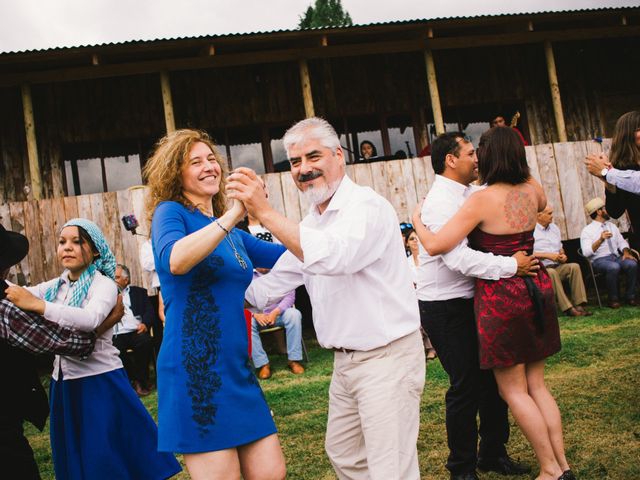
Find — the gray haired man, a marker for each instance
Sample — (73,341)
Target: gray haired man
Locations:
(349,254)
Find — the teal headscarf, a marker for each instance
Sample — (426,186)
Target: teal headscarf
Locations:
(105,263)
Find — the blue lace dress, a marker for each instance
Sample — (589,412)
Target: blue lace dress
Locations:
(208,396)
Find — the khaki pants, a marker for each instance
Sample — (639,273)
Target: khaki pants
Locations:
(374,411)
(570,273)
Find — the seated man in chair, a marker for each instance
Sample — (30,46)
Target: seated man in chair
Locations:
(133,331)
(284,314)
(548,247)
(609,253)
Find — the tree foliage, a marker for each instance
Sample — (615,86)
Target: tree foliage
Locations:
(325,13)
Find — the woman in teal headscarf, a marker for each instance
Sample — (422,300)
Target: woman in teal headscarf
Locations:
(99,427)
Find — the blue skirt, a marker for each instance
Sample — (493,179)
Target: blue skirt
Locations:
(101,430)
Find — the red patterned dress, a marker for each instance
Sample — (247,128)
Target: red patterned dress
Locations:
(516,317)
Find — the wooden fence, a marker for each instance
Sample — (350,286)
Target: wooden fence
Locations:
(557,166)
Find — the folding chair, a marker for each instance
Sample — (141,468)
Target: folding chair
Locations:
(278,329)
(593,274)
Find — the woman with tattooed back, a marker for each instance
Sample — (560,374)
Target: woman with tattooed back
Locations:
(516,317)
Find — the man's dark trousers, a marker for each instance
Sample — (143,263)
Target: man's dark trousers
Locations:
(451,327)
(136,363)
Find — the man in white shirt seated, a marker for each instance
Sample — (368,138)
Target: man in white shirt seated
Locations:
(609,253)
(132,333)
(548,247)
(349,254)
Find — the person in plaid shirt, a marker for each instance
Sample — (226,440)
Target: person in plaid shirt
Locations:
(23,334)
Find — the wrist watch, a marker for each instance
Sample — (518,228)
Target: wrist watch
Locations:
(604,172)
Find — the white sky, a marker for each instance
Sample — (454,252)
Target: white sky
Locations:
(37,24)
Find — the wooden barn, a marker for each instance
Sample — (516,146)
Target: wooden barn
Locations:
(78,123)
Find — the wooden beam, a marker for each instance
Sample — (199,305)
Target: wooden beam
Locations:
(32,146)
(95,60)
(433,91)
(555,91)
(267,154)
(293,54)
(384,132)
(305,81)
(167,102)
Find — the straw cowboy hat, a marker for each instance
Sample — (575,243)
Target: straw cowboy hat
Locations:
(13,248)
(593,205)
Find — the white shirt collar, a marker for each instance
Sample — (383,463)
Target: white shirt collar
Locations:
(455,187)
(339,198)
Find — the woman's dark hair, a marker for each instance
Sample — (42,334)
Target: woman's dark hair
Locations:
(374,151)
(503,158)
(86,238)
(625,154)
(406,233)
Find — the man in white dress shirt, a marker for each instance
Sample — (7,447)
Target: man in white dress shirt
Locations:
(445,290)
(548,247)
(609,253)
(349,254)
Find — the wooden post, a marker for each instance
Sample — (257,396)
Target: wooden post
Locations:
(555,91)
(384,132)
(32,146)
(307,96)
(167,103)
(433,91)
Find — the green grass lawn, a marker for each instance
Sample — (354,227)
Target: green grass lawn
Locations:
(595,379)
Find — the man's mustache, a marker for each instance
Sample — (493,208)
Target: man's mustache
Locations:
(307,177)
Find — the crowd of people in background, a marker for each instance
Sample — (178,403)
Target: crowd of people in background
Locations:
(476,280)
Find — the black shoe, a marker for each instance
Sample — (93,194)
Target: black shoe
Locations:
(503,466)
(567,475)
(465,476)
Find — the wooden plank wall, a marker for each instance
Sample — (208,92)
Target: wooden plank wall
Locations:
(404,183)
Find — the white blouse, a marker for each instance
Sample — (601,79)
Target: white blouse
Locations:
(100,300)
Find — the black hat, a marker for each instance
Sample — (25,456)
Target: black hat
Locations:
(13,248)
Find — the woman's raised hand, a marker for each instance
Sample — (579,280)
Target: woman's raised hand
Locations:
(24,299)
(237,209)
(416,216)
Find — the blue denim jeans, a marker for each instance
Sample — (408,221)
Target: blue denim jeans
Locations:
(291,320)
(611,266)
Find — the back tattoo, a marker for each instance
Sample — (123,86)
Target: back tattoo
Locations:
(520,211)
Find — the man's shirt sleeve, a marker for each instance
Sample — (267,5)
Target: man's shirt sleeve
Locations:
(35,334)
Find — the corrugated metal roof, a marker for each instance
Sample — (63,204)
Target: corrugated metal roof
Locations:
(267,32)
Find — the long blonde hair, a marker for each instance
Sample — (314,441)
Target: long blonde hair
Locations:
(163,171)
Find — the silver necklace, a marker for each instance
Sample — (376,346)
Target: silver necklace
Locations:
(239,258)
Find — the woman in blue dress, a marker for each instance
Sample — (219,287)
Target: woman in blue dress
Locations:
(210,405)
